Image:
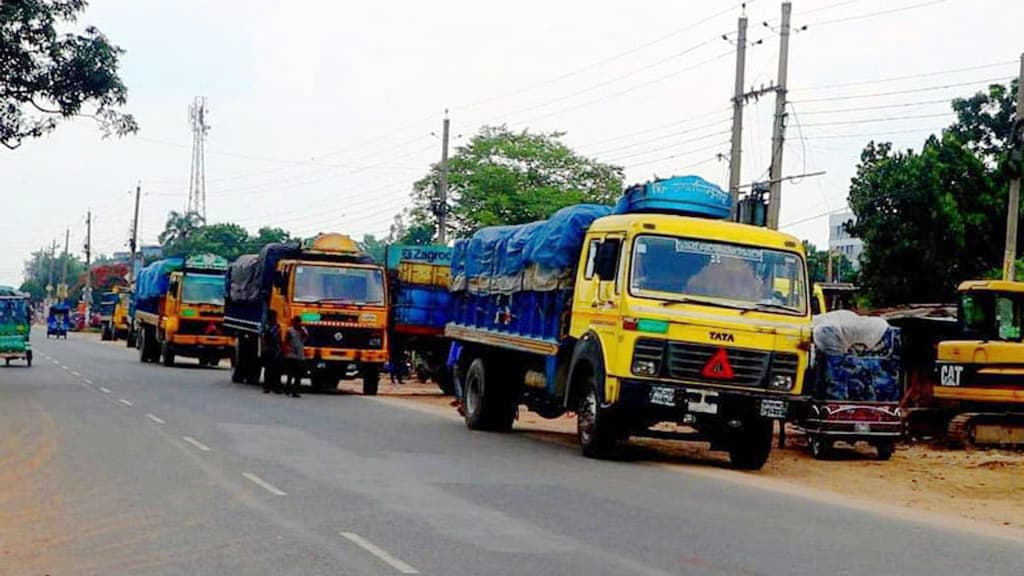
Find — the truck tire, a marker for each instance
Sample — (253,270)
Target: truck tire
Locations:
(167,353)
(490,404)
(596,431)
(885,449)
(750,446)
(28,358)
(819,447)
(324,382)
(371,380)
(143,353)
(446,381)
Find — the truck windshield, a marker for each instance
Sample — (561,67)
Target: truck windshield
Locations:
(991,315)
(203,289)
(338,284)
(718,273)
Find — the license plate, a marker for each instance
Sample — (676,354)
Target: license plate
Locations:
(702,402)
(862,428)
(663,396)
(773,409)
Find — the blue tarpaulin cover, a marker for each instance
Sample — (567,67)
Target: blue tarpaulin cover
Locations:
(153,279)
(510,258)
(686,195)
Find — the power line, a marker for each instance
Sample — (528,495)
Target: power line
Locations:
(674,156)
(879,107)
(908,91)
(869,134)
(603,61)
(815,217)
(906,77)
(669,147)
(663,137)
(662,126)
(873,120)
(873,14)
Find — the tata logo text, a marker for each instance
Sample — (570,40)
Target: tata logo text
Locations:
(722,337)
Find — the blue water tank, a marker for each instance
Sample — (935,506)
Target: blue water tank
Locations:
(683,195)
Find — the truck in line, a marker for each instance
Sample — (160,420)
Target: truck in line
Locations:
(659,311)
(337,290)
(179,311)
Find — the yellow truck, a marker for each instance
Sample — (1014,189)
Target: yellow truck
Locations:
(179,311)
(981,372)
(660,312)
(337,290)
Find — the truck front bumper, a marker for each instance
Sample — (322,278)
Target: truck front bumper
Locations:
(645,403)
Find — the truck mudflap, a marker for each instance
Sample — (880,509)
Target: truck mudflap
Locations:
(644,403)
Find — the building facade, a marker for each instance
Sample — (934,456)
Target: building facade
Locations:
(839,240)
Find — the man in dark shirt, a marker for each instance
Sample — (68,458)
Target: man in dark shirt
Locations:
(272,355)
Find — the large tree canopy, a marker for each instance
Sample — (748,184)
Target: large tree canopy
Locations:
(506,177)
(46,74)
(185,233)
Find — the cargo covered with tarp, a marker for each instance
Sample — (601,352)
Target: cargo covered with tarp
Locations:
(859,358)
(539,256)
(250,276)
(154,279)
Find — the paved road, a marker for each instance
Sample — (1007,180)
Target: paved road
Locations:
(112,467)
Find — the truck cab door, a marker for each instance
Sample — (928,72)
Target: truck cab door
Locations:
(599,290)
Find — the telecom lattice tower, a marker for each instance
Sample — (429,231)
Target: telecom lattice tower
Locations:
(197,176)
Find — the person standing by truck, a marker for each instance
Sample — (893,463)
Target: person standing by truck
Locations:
(296,356)
(272,354)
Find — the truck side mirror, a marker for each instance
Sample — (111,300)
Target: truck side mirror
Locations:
(607,262)
(815,306)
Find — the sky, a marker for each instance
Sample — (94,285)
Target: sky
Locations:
(323,113)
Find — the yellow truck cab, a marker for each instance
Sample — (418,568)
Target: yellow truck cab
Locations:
(179,311)
(981,373)
(671,319)
(120,319)
(337,290)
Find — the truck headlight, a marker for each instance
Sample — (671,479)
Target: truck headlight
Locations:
(645,367)
(781,382)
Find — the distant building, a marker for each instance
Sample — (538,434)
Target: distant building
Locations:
(150,253)
(839,240)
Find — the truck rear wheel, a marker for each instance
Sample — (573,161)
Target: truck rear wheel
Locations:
(324,382)
(595,428)
(371,380)
(490,403)
(885,449)
(750,446)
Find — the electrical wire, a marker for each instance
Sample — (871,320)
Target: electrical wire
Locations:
(853,18)
(670,146)
(905,77)
(879,107)
(907,91)
(873,120)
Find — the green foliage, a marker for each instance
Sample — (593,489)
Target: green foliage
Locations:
(46,73)
(928,220)
(185,233)
(374,247)
(817,265)
(37,274)
(506,177)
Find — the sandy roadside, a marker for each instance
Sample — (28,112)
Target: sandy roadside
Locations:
(982,489)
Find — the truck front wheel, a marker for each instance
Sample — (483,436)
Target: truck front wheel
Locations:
(595,427)
(750,446)
(167,353)
(490,403)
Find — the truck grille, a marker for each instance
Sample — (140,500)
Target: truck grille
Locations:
(686,362)
(344,338)
(200,328)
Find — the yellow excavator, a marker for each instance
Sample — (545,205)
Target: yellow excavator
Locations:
(981,373)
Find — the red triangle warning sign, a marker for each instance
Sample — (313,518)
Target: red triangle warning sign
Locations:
(718,366)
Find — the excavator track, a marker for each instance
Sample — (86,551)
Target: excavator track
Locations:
(982,429)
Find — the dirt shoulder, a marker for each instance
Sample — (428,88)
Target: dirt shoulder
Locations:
(985,487)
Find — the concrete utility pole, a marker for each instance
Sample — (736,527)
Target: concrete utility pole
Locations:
(737,114)
(135,236)
(88,263)
(779,128)
(442,193)
(49,277)
(62,293)
(1013,207)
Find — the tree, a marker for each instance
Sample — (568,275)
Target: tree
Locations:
(985,121)
(374,247)
(179,226)
(817,265)
(928,219)
(224,239)
(507,177)
(36,274)
(46,75)
(266,235)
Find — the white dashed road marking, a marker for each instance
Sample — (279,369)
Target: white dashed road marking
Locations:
(104,390)
(196,443)
(76,374)
(125,402)
(155,419)
(382,554)
(87,381)
(264,484)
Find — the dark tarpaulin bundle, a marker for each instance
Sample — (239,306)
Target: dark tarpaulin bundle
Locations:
(250,276)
